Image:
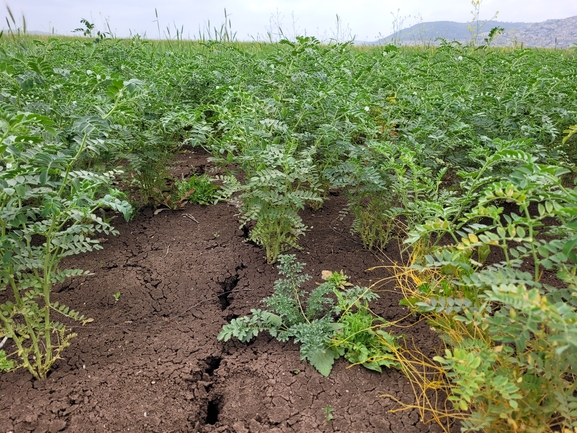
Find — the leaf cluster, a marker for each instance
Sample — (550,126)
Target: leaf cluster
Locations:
(512,334)
(198,190)
(47,212)
(280,184)
(325,329)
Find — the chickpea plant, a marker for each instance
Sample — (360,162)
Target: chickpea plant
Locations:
(47,212)
(512,336)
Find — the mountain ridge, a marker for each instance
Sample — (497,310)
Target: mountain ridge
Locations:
(556,33)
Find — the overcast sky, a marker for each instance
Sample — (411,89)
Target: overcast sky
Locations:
(251,19)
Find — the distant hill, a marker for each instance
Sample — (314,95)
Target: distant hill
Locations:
(37,32)
(560,33)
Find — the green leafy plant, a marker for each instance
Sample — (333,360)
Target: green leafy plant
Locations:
(47,212)
(512,334)
(5,363)
(370,198)
(390,191)
(309,318)
(362,339)
(328,411)
(197,189)
(280,183)
(476,25)
(493,34)
(88,30)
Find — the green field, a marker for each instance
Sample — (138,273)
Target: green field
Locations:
(465,155)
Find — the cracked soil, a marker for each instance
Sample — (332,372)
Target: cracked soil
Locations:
(150,361)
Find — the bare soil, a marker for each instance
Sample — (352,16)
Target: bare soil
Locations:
(150,361)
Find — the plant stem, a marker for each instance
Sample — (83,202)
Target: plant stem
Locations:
(532,243)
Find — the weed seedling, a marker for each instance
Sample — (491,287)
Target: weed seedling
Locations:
(309,318)
(328,413)
(197,190)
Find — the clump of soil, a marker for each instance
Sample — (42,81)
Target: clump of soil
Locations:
(150,361)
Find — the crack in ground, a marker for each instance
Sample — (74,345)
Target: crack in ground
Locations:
(215,401)
(212,364)
(213,410)
(228,286)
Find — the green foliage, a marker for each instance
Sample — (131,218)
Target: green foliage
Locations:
(457,150)
(47,212)
(246,327)
(5,363)
(88,30)
(513,368)
(328,411)
(493,34)
(280,184)
(309,318)
(360,340)
(197,189)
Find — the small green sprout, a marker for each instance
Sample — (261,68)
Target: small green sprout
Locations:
(328,413)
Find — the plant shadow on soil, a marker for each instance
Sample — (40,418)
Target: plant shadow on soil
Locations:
(150,361)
